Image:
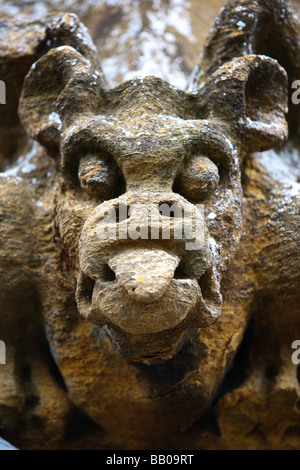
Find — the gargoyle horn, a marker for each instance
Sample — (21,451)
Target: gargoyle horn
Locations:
(244,27)
(242,72)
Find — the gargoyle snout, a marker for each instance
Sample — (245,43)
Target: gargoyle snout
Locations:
(144,274)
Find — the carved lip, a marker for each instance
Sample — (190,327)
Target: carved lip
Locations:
(137,311)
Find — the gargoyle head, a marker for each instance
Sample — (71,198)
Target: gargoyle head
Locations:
(149,206)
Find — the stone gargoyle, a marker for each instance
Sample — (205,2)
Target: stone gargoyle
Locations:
(124,342)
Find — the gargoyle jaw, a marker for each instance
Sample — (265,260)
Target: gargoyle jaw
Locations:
(147,316)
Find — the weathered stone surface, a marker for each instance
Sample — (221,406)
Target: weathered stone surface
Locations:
(160,38)
(177,348)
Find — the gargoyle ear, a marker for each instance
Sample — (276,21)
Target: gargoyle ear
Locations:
(56,89)
(249,94)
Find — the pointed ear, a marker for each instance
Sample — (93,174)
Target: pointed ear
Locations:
(56,89)
(249,96)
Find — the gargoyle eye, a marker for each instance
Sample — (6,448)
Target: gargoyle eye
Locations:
(97,176)
(198,179)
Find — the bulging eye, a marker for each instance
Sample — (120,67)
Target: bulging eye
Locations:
(98,176)
(199,178)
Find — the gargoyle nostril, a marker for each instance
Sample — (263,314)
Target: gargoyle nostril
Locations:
(108,274)
(180,272)
(170,209)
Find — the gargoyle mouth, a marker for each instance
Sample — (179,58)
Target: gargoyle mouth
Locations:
(146,292)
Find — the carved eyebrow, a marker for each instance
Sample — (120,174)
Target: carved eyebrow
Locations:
(82,139)
(89,129)
(94,135)
(213,141)
(208,134)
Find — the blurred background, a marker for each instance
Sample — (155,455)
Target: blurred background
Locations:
(151,37)
(136,37)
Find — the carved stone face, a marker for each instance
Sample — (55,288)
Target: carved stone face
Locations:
(150,203)
(154,271)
